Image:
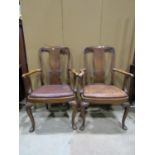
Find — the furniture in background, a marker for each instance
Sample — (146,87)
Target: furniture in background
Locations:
(94,90)
(56,91)
(21,88)
(23,68)
(22,49)
(132,84)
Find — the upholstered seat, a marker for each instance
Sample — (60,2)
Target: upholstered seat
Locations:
(103,91)
(53,91)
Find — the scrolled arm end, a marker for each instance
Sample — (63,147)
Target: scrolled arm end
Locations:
(73,71)
(82,72)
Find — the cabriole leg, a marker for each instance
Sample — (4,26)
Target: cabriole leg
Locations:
(83,114)
(126,110)
(74,111)
(29,112)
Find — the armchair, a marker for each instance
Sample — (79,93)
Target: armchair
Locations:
(96,91)
(56,91)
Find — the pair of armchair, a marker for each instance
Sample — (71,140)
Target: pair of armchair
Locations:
(83,94)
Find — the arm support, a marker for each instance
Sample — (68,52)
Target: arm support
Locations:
(127,76)
(81,77)
(74,74)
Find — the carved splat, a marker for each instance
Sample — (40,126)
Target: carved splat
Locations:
(98,65)
(99,61)
(54,61)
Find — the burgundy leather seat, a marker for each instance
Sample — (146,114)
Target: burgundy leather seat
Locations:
(52,91)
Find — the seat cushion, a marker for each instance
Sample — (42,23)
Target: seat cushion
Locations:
(103,91)
(52,91)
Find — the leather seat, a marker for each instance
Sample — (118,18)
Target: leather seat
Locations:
(52,91)
(103,91)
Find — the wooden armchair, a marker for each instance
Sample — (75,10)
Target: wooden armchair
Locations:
(56,91)
(94,90)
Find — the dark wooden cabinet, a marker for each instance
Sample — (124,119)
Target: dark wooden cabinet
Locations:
(132,84)
(23,68)
(22,49)
(21,85)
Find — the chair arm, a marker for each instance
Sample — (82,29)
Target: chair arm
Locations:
(31,72)
(27,75)
(123,72)
(127,76)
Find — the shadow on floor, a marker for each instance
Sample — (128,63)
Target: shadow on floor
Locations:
(98,121)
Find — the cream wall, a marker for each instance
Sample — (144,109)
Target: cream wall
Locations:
(77,24)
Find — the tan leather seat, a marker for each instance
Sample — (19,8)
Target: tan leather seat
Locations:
(52,91)
(103,91)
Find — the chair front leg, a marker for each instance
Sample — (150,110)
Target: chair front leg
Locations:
(29,112)
(83,114)
(74,112)
(126,110)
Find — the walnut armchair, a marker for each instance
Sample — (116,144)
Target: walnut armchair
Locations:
(95,91)
(56,91)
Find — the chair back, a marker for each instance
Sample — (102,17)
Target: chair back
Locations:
(98,62)
(55,68)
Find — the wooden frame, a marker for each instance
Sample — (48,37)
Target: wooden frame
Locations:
(98,52)
(56,51)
